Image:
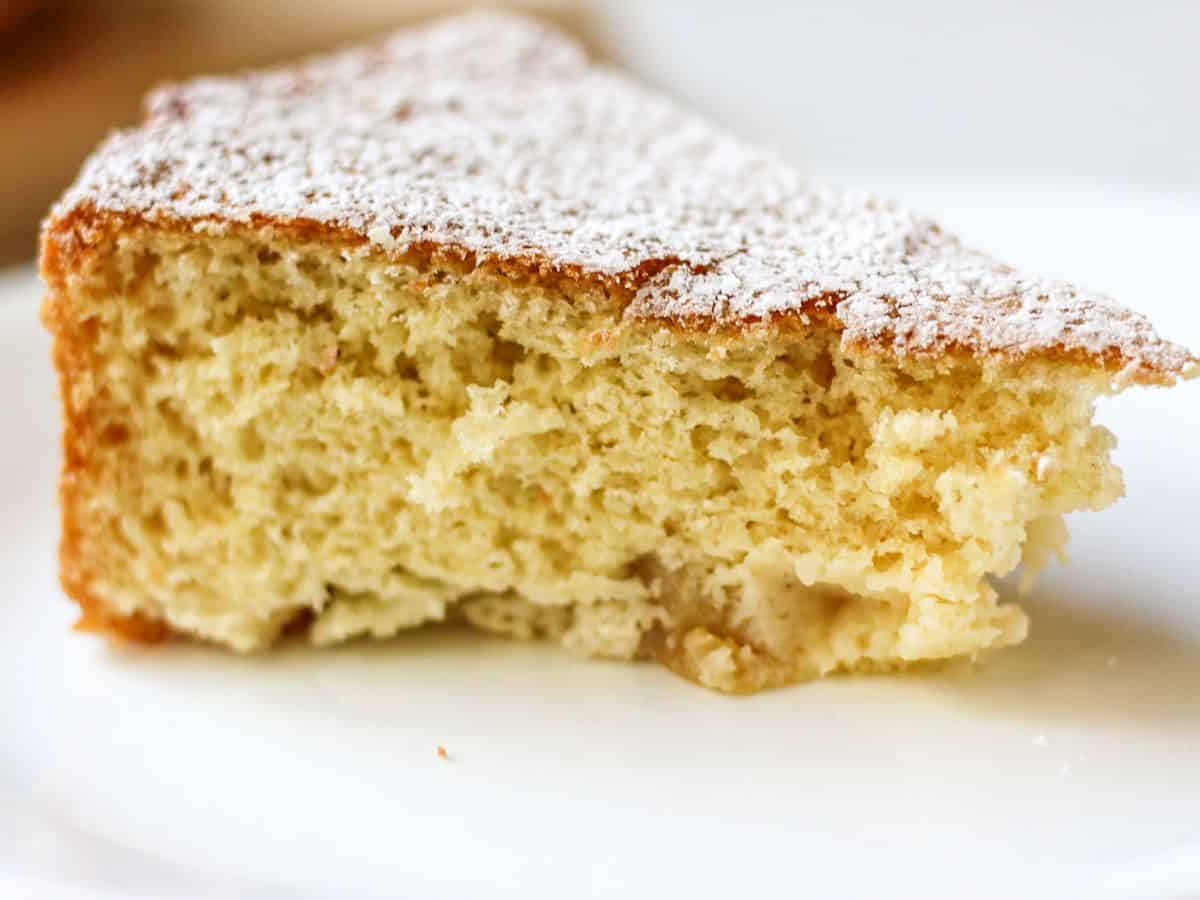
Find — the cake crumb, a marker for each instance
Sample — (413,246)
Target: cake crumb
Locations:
(327,361)
(1045,465)
(441,752)
(1040,741)
(1112,662)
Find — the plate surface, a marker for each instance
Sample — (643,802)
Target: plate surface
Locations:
(1069,766)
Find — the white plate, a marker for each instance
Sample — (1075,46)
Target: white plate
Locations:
(1067,767)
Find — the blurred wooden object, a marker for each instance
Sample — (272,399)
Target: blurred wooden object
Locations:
(70,70)
(13,11)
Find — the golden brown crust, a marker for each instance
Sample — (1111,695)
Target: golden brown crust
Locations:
(67,239)
(74,357)
(96,618)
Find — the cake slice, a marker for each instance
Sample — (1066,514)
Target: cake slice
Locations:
(458,326)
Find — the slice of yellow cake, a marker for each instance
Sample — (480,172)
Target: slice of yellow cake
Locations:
(458,326)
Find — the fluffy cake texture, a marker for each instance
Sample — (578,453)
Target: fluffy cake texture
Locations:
(460,327)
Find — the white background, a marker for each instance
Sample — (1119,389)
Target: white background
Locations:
(1092,93)
(1064,139)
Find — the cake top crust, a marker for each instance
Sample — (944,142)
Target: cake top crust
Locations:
(493,134)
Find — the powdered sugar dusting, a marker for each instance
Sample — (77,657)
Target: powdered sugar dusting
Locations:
(493,133)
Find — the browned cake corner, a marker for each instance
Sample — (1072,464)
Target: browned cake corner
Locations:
(459,325)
